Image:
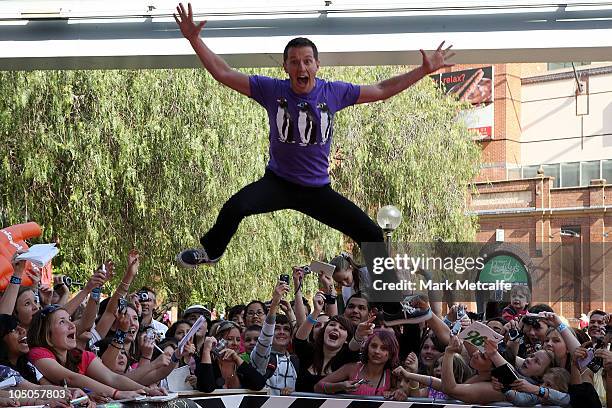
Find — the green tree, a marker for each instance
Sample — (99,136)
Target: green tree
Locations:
(110,160)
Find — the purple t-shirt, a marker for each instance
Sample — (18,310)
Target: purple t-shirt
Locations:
(301,126)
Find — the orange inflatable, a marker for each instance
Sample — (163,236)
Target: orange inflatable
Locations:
(13,239)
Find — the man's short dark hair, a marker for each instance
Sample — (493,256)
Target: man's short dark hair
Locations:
(282,319)
(253,327)
(300,42)
(541,307)
(597,312)
(359,296)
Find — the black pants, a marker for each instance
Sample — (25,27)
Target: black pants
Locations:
(272,193)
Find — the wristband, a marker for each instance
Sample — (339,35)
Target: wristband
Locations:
(119,337)
(447,321)
(15,280)
(174,358)
(414,388)
(146,358)
(115,394)
(562,327)
(542,392)
(118,348)
(311,319)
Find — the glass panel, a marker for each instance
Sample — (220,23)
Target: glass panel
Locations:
(606,171)
(563,65)
(570,174)
(514,173)
(553,171)
(530,171)
(590,171)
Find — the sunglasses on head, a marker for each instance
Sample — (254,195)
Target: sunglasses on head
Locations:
(47,310)
(532,322)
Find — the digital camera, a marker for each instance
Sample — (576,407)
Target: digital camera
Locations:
(219,347)
(143,296)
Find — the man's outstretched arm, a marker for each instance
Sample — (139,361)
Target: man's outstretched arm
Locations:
(214,64)
(392,86)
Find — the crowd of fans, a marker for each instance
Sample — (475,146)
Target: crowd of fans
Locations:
(338,342)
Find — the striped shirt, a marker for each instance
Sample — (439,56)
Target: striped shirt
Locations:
(285,374)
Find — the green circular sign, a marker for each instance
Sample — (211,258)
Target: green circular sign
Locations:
(506,268)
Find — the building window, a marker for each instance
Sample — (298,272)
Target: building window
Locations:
(551,66)
(589,171)
(570,174)
(574,174)
(606,171)
(530,171)
(552,170)
(514,173)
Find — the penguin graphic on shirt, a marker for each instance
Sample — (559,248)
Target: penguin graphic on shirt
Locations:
(307,125)
(326,122)
(283,122)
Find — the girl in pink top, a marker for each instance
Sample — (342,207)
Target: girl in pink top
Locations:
(370,376)
(53,351)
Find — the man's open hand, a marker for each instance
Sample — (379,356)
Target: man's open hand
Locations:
(437,59)
(189,29)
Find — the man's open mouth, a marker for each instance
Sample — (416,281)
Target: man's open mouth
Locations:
(302,80)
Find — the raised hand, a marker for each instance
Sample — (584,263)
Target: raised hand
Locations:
(437,59)
(490,348)
(189,29)
(411,363)
(365,329)
(326,283)
(318,303)
(280,290)
(454,346)
(18,266)
(97,280)
(298,275)
(133,263)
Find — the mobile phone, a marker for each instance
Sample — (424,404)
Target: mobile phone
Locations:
(284,278)
(361,381)
(505,374)
(79,401)
(322,267)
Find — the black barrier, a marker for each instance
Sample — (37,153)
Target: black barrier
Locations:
(308,400)
(300,400)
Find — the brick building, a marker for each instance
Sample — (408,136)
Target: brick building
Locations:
(542,190)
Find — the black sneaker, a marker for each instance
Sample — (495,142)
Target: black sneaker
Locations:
(192,257)
(415,309)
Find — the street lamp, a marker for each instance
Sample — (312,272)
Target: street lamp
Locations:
(389,218)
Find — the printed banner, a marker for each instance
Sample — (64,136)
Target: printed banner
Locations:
(476,87)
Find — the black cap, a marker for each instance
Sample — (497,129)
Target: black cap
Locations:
(8,323)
